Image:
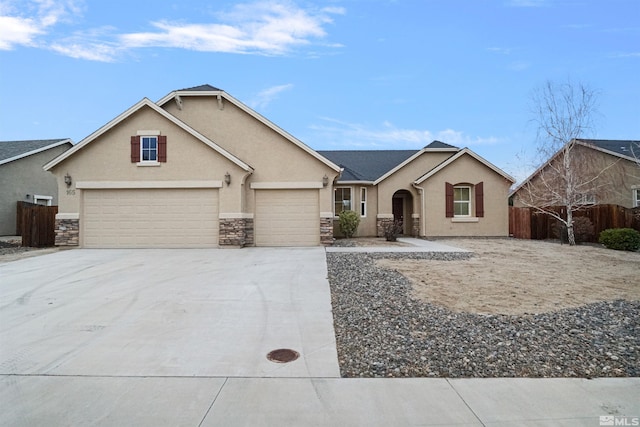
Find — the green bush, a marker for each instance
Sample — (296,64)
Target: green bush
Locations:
(348,221)
(621,239)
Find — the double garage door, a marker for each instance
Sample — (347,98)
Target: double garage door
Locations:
(175,218)
(150,218)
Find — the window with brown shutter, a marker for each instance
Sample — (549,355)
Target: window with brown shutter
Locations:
(479,190)
(135,149)
(448,194)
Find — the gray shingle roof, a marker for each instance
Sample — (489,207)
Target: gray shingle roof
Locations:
(439,145)
(11,149)
(201,88)
(620,146)
(367,165)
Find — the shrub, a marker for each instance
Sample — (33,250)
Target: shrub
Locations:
(348,222)
(392,230)
(621,239)
(582,230)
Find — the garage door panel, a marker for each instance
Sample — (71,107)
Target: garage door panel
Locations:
(287,218)
(150,218)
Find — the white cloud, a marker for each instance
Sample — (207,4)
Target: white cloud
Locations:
(269,27)
(18,31)
(500,50)
(266,96)
(21,24)
(344,135)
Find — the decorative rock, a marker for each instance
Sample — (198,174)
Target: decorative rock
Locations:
(382,331)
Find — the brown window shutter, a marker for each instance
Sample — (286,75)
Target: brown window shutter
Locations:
(162,148)
(479,190)
(448,195)
(135,149)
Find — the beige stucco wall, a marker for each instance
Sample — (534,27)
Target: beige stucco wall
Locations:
(614,185)
(21,180)
(273,157)
(466,170)
(108,158)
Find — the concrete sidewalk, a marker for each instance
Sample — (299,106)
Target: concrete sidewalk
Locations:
(210,401)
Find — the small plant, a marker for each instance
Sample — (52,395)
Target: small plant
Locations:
(348,222)
(582,229)
(621,239)
(392,230)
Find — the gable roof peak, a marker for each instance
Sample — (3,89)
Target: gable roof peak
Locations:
(439,145)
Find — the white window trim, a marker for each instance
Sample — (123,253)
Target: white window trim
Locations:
(351,191)
(148,162)
(635,193)
(363,202)
(37,197)
(460,201)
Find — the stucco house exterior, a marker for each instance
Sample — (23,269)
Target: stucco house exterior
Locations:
(610,169)
(438,191)
(199,168)
(23,178)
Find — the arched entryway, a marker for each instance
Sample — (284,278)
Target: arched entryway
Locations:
(402,208)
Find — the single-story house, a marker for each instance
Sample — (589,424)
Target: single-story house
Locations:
(24,180)
(199,168)
(438,191)
(606,172)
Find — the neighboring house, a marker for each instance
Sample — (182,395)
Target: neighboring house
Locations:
(196,169)
(440,190)
(611,170)
(23,178)
(200,169)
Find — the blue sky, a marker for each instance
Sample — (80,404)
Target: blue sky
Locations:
(337,74)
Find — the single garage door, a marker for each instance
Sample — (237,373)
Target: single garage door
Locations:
(287,218)
(150,218)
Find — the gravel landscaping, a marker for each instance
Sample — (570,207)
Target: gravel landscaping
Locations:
(383,330)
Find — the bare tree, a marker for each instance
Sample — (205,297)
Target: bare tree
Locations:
(569,175)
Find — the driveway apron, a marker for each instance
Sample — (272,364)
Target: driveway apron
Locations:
(169,313)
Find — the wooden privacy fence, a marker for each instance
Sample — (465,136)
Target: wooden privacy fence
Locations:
(36,224)
(527,223)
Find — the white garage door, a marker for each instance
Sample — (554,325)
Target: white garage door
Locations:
(150,218)
(287,218)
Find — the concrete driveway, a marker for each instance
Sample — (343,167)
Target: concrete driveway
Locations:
(167,313)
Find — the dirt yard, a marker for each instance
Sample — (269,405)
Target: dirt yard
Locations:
(510,276)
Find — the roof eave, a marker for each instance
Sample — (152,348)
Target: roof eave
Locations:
(258,117)
(456,156)
(400,166)
(36,151)
(148,103)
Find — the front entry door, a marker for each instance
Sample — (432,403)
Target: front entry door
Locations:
(398,210)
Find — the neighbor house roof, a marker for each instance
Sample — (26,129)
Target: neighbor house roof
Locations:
(624,148)
(14,150)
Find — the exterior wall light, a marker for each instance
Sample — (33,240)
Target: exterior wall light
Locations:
(68,180)
(227,178)
(325,181)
